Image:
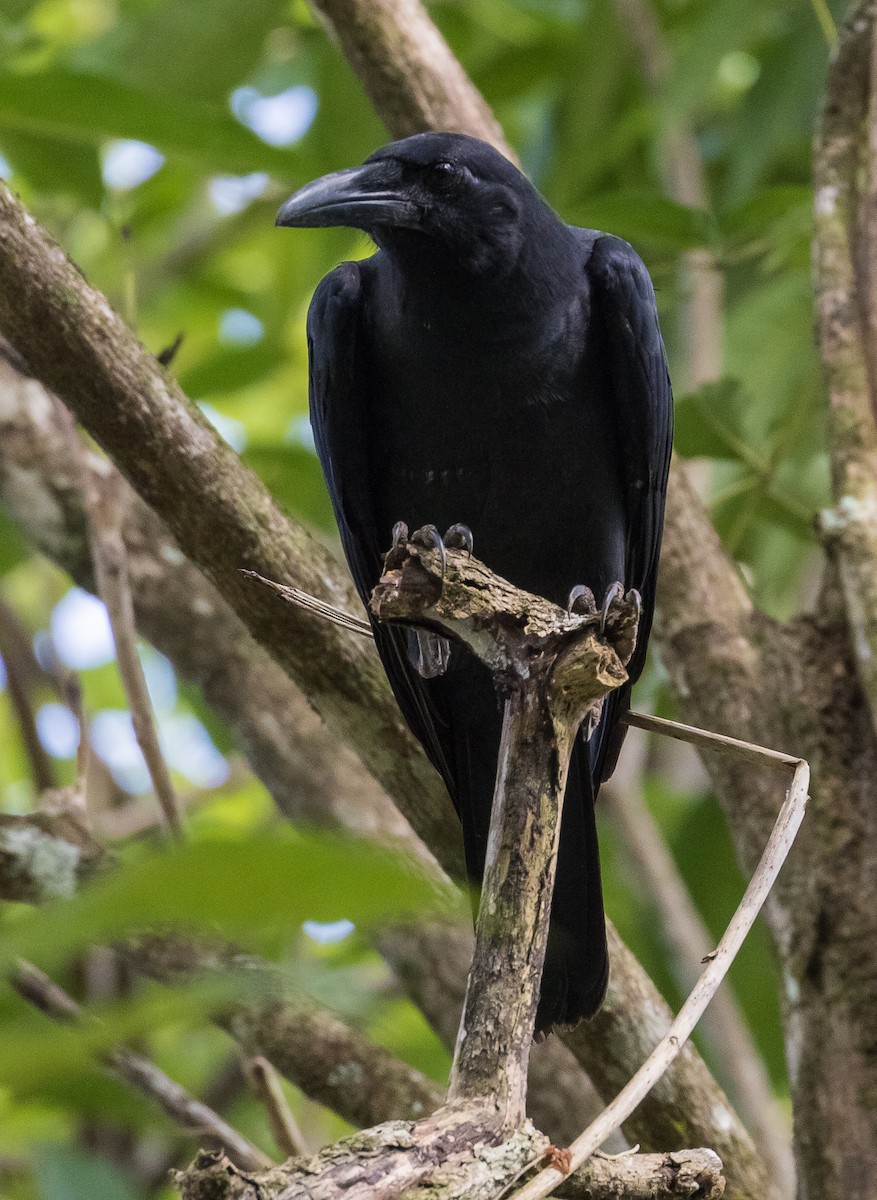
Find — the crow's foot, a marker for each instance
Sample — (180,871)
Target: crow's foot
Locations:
(581,601)
(614,594)
(430,539)
(399,535)
(459,537)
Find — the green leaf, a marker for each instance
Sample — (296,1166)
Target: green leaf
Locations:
(768,206)
(646,219)
(66,1173)
(230,368)
(196,50)
(705,424)
(254,885)
(293,475)
(85,108)
(55,164)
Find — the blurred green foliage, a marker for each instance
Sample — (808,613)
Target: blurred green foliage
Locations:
(191,249)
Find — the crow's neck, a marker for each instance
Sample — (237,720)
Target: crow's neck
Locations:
(504,298)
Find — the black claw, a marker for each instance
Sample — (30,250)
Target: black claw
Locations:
(400,534)
(459,537)
(633,597)
(430,538)
(581,601)
(615,592)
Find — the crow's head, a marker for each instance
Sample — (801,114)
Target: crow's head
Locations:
(433,194)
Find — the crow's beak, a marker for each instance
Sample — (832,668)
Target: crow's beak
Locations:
(359,198)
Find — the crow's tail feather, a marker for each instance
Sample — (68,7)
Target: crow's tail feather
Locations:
(577,960)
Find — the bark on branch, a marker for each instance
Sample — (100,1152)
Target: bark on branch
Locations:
(45,855)
(420,85)
(554,672)
(846,231)
(693,1174)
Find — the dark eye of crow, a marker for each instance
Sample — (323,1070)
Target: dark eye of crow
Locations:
(443,174)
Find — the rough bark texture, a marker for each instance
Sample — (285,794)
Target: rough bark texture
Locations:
(452,1156)
(432,961)
(845,223)
(45,856)
(686,1107)
(554,671)
(694,1174)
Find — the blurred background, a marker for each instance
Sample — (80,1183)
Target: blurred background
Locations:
(155,140)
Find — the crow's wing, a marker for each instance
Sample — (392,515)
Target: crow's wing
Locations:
(339,380)
(624,317)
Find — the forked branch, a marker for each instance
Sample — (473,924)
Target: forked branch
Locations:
(553,669)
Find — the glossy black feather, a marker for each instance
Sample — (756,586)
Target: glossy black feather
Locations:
(510,376)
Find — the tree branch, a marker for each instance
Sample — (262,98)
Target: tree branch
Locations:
(723,1027)
(407,70)
(846,245)
(694,1174)
(284,1127)
(141,1074)
(554,673)
(109,557)
(432,960)
(690,1173)
(45,855)
(782,836)
(16,656)
(310,775)
(330,1061)
(222,516)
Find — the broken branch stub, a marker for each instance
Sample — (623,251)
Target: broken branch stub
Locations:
(552,669)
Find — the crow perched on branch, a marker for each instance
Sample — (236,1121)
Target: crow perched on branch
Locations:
(497,371)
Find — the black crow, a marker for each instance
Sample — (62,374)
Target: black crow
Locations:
(494,368)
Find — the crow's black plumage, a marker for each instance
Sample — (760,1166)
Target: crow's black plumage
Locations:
(492,366)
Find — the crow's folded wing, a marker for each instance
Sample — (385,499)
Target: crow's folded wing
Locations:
(339,383)
(624,316)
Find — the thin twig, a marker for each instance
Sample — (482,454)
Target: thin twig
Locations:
(104,514)
(43,993)
(269,1089)
(321,608)
(775,853)
(724,1026)
(17,659)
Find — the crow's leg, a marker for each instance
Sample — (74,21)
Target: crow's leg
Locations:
(428,653)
